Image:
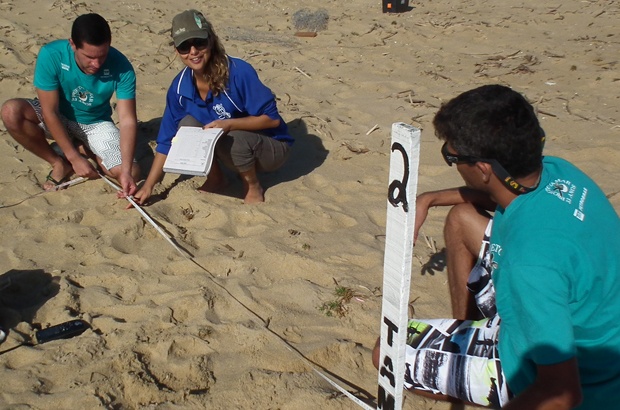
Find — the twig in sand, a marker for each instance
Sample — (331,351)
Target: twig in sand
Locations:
(372,129)
(503,57)
(430,242)
(566,107)
(298,69)
(546,113)
(266,53)
(419,259)
(305,34)
(314,116)
(357,150)
(436,75)
(599,13)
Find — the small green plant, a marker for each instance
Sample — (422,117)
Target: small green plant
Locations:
(344,293)
(338,307)
(333,308)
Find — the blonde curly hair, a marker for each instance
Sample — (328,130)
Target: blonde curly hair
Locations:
(216,71)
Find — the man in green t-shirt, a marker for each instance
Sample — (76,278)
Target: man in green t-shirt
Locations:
(533,258)
(75,80)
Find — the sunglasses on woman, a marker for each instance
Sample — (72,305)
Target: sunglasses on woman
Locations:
(198,43)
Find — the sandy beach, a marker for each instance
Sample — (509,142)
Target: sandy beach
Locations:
(275,290)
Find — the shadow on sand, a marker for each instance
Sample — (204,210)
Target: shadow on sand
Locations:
(22,293)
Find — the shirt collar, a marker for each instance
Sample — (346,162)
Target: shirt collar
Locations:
(185,87)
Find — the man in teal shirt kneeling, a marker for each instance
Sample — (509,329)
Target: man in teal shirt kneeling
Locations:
(533,257)
(75,80)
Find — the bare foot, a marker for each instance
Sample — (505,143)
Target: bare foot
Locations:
(213,185)
(216,180)
(255,194)
(61,171)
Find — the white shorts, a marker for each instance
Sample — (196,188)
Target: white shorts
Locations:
(459,358)
(102,138)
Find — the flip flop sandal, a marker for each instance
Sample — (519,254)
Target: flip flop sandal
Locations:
(50,178)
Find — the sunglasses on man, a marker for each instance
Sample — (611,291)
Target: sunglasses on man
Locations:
(198,43)
(497,168)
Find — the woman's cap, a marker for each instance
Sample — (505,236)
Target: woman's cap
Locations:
(189,24)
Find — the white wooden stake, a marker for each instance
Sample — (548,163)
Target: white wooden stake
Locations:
(402,191)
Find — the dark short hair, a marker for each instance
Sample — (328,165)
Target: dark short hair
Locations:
(493,122)
(90,29)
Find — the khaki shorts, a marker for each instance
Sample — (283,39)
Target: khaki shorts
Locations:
(102,138)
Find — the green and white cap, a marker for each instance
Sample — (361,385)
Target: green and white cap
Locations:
(189,24)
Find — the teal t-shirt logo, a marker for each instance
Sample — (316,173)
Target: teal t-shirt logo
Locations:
(82,95)
(562,189)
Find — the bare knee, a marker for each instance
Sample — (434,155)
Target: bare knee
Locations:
(9,113)
(466,224)
(376,352)
(14,112)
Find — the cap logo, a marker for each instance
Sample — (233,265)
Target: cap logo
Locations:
(198,20)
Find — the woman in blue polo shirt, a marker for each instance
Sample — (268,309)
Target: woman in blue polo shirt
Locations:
(215,90)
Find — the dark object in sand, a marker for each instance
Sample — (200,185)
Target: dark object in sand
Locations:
(305,34)
(395,6)
(62,331)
